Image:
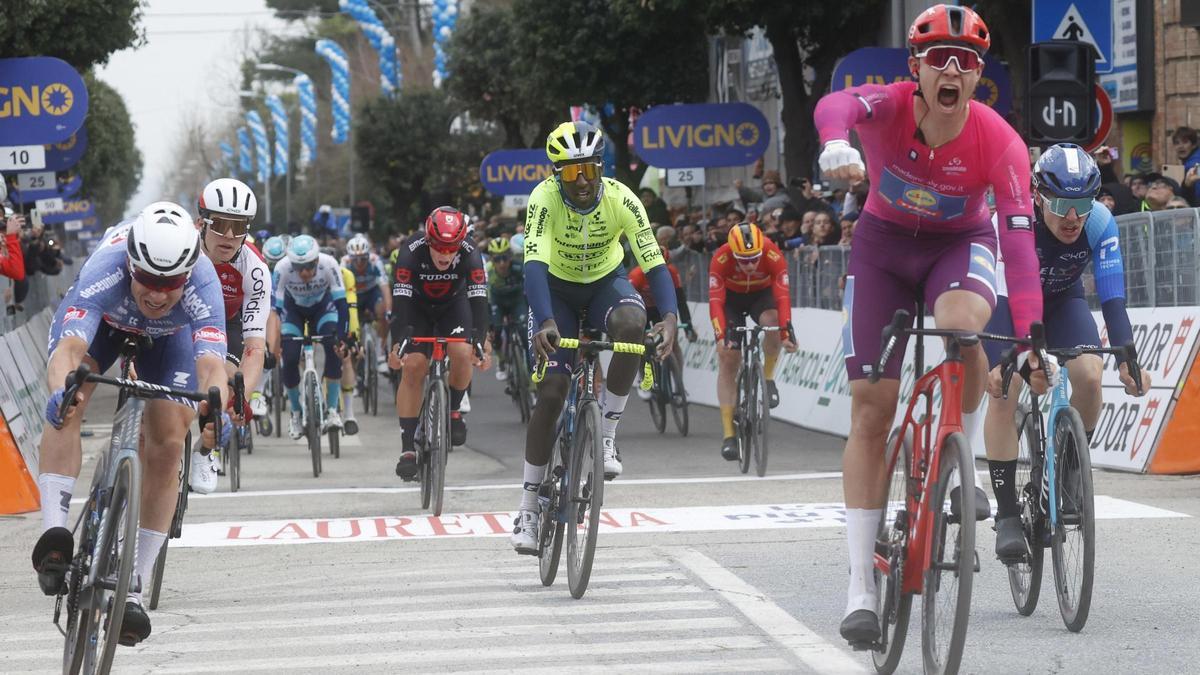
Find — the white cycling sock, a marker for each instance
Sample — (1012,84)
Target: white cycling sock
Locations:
(861,527)
(971,423)
(348,404)
(149,543)
(533,479)
(612,408)
(56,492)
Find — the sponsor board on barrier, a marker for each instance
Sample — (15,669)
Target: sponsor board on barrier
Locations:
(815,392)
(649,520)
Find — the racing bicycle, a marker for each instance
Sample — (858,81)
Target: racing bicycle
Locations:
(313,403)
(572,492)
(668,390)
(752,412)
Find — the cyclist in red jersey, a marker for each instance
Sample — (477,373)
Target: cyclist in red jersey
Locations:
(747,277)
(933,153)
(642,285)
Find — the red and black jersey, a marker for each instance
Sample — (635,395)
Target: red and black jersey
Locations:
(417,285)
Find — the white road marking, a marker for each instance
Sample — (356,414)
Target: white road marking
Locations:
(769,617)
(715,666)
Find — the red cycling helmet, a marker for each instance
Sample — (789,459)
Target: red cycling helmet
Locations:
(445,229)
(949,24)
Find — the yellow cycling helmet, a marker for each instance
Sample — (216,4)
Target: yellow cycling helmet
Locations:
(498,246)
(574,141)
(745,240)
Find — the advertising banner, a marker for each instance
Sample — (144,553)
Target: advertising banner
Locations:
(514,172)
(62,156)
(696,135)
(885,65)
(42,100)
(77,209)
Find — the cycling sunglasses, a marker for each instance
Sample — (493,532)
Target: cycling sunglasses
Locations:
(939,57)
(445,249)
(747,261)
(305,267)
(502,258)
(570,172)
(1061,206)
(157,283)
(227,227)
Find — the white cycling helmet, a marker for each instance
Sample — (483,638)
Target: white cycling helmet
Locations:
(228,197)
(303,250)
(163,241)
(358,245)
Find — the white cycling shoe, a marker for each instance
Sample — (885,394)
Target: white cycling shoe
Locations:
(501,374)
(333,420)
(258,405)
(381,367)
(296,425)
(612,459)
(525,532)
(203,476)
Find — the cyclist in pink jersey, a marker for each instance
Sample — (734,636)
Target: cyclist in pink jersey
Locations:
(926,228)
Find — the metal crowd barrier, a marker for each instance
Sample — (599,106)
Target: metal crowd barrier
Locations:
(44,291)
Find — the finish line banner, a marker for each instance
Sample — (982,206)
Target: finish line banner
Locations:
(814,391)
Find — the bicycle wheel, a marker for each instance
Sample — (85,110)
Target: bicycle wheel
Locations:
(550,527)
(658,401)
(113,562)
(586,494)
(762,418)
(891,552)
(234,459)
(312,424)
(1025,577)
(277,400)
(335,442)
(249,441)
(677,395)
(520,376)
(1073,544)
(743,423)
(950,571)
(176,528)
(437,442)
(372,370)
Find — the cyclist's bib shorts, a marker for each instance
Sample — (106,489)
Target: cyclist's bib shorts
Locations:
(170,362)
(1068,321)
(446,319)
(889,266)
(738,306)
(322,319)
(368,300)
(597,299)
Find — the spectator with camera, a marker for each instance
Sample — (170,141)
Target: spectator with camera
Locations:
(12,258)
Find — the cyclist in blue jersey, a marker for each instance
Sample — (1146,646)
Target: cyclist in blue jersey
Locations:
(371,284)
(147,279)
(1071,231)
(310,292)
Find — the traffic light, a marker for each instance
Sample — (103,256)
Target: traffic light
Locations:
(360,219)
(1060,102)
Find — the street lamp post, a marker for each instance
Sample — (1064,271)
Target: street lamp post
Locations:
(267,182)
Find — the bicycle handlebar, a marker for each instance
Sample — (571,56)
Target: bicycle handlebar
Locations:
(595,347)
(1037,342)
(138,388)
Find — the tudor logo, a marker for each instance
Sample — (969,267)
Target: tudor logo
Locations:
(1144,426)
(1177,345)
(403,275)
(478,276)
(437,289)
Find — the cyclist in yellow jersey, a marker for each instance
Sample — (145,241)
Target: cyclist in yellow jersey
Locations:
(349,424)
(573,271)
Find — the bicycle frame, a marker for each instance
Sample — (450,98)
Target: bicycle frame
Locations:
(1059,401)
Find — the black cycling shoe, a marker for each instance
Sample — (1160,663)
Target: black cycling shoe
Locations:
(458,430)
(772,394)
(983,508)
(1010,540)
(51,557)
(860,627)
(350,427)
(729,449)
(136,625)
(406,468)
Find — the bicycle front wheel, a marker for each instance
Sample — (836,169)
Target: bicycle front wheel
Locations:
(950,571)
(437,443)
(520,372)
(1025,576)
(1073,544)
(891,551)
(743,423)
(586,494)
(235,459)
(312,419)
(277,399)
(762,419)
(550,528)
(677,395)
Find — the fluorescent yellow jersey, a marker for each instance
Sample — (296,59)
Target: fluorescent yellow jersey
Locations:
(351,299)
(581,248)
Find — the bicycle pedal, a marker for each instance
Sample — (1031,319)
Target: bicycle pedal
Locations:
(865,646)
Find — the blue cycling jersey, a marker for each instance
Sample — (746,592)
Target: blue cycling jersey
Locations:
(368,278)
(101,292)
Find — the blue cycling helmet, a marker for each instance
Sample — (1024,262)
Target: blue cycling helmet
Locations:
(1066,170)
(262,235)
(274,249)
(303,250)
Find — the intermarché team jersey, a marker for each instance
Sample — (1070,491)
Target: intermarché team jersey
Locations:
(943,189)
(102,292)
(584,248)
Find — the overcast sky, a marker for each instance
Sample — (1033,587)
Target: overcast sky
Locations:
(189,64)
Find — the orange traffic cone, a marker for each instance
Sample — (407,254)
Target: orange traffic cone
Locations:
(18,489)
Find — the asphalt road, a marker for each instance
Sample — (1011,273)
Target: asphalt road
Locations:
(700,569)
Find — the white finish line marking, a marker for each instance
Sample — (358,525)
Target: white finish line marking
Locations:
(769,617)
(612,521)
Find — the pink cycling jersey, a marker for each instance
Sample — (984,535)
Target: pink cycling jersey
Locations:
(943,189)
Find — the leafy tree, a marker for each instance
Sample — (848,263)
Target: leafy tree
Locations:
(81,32)
(1010,22)
(487,77)
(613,55)
(802,34)
(112,165)
(407,147)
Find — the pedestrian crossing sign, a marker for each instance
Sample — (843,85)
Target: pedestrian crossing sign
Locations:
(1088,21)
